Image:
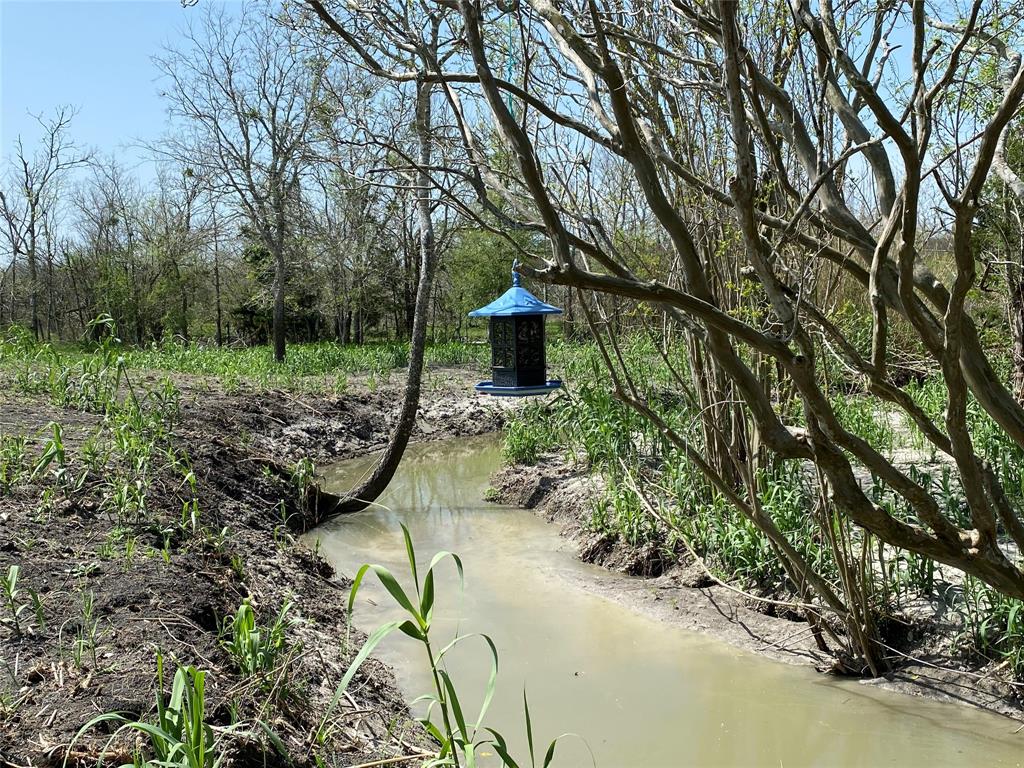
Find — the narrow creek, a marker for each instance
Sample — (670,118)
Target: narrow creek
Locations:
(638,692)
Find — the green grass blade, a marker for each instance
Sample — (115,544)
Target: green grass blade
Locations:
(501,747)
(529,729)
(395,590)
(550,754)
(453,701)
(355,588)
(412,630)
(371,642)
(458,565)
(492,681)
(411,553)
(427,599)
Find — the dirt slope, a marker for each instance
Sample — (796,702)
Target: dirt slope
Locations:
(114,596)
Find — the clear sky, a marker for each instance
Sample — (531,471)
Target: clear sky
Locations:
(94,55)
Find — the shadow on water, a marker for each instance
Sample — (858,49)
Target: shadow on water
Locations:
(641,693)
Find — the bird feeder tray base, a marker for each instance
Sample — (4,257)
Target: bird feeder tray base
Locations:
(488,388)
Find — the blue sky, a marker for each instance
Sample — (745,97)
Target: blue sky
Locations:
(94,55)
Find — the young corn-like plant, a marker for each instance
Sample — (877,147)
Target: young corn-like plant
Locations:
(459,737)
(994,623)
(53,453)
(11,595)
(179,736)
(254,649)
(37,609)
(13,461)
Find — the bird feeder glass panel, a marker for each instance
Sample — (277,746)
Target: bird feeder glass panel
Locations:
(503,342)
(530,368)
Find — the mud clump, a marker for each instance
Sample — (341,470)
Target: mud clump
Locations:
(568,495)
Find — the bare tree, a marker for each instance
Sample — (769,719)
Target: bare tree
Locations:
(245,91)
(996,62)
(400,45)
(110,272)
(173,229)
(29,198)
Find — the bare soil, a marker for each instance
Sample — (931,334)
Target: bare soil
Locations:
(144,603)
(672,588)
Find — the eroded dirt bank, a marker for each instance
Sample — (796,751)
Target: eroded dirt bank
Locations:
(113,595)
(676,590)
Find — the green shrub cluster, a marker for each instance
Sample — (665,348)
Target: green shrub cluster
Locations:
(587,424)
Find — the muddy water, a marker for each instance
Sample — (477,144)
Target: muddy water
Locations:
(637,692)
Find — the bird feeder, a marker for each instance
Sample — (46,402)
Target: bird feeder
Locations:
(516,333)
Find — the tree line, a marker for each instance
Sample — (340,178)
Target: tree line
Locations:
(266,218)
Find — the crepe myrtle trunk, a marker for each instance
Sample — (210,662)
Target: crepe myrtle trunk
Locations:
(33,284)
(278,319)
(360,497)
(1015,283)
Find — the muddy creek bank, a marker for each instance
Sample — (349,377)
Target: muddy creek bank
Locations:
(639,692)
(926,660)
(114,594)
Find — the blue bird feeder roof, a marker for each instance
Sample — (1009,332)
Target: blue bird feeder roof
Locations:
(515,301)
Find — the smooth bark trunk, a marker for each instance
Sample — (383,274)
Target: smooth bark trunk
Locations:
(1015,280)
(278,320)
(360,497)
